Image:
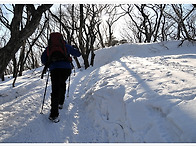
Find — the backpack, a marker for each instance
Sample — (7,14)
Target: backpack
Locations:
(56,50)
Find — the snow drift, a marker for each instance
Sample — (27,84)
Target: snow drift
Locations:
(134,93)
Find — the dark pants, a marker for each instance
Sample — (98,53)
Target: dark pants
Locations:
(58,79)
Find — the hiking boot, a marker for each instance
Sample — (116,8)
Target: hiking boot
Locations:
(60,106)
(54,119)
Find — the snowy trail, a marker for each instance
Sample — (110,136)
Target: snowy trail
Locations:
(21,120)
(130,95)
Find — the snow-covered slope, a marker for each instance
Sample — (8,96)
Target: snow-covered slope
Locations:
(134,93)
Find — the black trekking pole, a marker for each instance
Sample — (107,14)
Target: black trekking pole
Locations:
(44,93)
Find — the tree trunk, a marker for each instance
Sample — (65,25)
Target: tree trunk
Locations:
(100,36)
(92,58)
(21,60)
(14,67)
(77,62)
(2,77)
(81,44)
(18,36)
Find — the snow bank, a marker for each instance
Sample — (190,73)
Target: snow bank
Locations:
(139,91)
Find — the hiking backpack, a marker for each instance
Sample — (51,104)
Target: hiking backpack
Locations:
(56,50)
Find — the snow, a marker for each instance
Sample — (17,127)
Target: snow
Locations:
(135,93)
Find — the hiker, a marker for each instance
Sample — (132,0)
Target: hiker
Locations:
(57,57)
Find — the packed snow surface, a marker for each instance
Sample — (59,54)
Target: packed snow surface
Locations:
(133,93)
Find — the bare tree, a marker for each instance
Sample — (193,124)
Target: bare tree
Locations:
(18,34)
(90,32)
(181,19)
(113,14)
(80,37)
(145,20)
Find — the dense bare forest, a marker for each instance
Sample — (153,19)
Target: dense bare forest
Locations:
(25,29)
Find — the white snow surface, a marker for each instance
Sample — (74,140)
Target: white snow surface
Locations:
(133,93)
